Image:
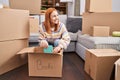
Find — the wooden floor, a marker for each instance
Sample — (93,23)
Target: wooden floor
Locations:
(73,69)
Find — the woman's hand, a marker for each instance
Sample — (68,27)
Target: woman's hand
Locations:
(57,49)
(44,44)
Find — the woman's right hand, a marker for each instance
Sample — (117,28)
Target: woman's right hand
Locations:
(44,44)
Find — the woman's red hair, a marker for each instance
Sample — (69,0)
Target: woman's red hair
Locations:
(47,22)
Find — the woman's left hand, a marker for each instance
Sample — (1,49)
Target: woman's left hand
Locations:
(56,49)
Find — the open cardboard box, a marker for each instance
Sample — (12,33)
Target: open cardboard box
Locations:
(43,64)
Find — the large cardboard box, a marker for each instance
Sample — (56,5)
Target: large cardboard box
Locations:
(98,6)
(8,58)
(99,63)
(101,31)
(110,19)
(34,25)
(14,24)
(34,6)
(117,69)
(43,64)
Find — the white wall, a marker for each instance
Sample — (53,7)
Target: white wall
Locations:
(116,5)
(71,8)
(5,2)
(82,6)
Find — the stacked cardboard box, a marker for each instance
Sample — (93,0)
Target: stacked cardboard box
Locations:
(34,24)
(35,11)
(98,31)
(14,34)
(110,19)
(101,16)
(100,21)
(98,6)
(34,6)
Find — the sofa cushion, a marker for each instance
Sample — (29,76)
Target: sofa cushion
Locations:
(74,24)
(74,36)
(99,42)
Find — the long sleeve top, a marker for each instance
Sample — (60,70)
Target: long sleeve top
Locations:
(61,34)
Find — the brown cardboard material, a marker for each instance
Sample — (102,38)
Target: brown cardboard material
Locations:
(117,69)
(8,58)
(110,19)
(99,63)
(101,31)
(34,6)
(87,5)
(98,6)
(34,25)
(14,24)
(43,64)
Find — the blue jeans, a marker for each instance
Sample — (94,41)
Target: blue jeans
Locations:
(55,44)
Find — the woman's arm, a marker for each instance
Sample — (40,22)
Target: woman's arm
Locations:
(65,38)
(42,37)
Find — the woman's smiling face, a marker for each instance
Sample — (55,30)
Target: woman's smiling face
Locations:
(54,17)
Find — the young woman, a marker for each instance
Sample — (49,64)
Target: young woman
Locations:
(53,32)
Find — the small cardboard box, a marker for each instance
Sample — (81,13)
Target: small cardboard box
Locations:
(110,19)
(99,63)
(34,6)
(101,31)
(117,69)
(43,64)
(98,6)
(8,58)
(34,25)
(14,24)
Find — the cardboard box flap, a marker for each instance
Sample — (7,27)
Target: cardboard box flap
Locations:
(36,50)
(104,52)
(26,50)
(40,50)
(117,62)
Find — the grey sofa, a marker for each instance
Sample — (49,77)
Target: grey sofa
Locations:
(74,26)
